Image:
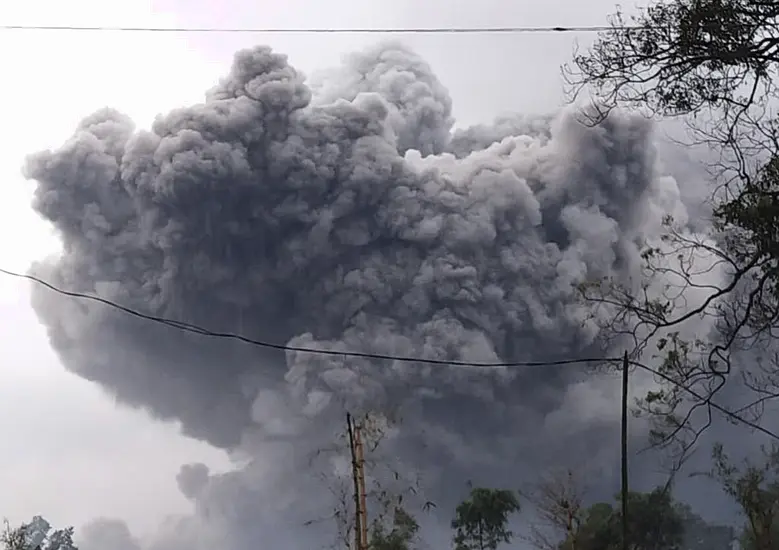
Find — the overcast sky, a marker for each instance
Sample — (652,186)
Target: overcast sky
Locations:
(71,454)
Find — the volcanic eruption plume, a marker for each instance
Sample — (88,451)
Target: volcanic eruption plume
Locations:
(346,216)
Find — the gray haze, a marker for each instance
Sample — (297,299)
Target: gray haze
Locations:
(345,215)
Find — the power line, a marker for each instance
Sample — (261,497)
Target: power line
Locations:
(704,400)
(320,30)
(196,329)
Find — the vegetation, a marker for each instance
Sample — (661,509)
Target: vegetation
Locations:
(37,535)
(400,537)
(481,522)
(655,521)
(755,488)
(705,306)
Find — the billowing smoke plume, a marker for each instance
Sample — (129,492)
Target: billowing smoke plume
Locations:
(107,533)
(344,216)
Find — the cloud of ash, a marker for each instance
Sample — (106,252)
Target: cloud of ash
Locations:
(103,534)
(345,215)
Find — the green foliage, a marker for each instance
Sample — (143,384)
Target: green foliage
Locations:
(756,490)
(481,522)
(752,216)
(18,538)
(655,522)
(13,538)
(400,537)
(700,535)
(684,56)
(716,63)
(599,530)
(61,539)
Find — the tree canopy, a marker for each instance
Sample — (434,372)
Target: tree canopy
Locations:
(685,57)
(481,522)
(37,535)
(654,523)
(400,537)
(754,486)
(702,300)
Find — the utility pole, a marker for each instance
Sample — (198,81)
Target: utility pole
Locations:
(360,454)
(625,368)
(358,477)
(356,480)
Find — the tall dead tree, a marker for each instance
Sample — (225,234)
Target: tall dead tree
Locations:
(358,477)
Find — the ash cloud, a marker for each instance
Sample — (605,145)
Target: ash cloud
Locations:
(105,533)
(345,215)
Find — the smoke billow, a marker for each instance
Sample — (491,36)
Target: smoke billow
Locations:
(109,533)
(349,216)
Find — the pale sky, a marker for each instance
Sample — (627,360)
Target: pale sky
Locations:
(71,454)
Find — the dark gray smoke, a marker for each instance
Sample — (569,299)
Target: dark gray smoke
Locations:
(345,216)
